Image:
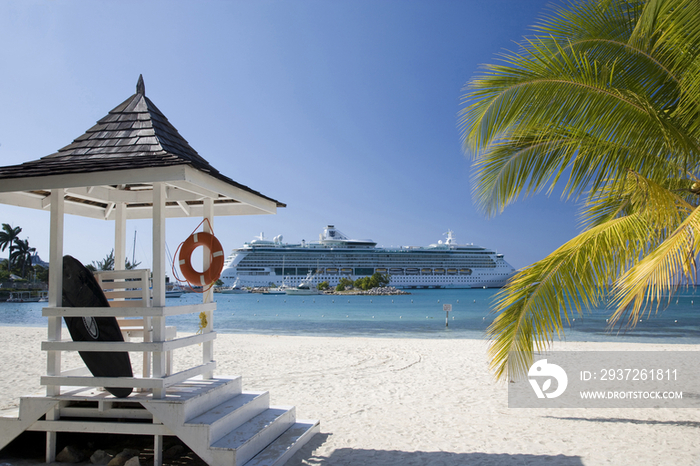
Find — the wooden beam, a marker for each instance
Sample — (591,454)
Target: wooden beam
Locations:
(197,210)
(200,191)
(109,209)
(163,311)
(208,347)
(120,237)
(46,202)
(159,357)
(185,208)
(176,193)
(36,201)
(53,358)
(199,178)
(101,426)
(101,178)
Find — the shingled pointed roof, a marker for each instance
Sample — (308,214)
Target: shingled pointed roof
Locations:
(134,135)
(135,128)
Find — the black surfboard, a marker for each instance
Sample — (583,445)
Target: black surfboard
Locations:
(80,289)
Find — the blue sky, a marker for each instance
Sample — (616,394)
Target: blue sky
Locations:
(344,110)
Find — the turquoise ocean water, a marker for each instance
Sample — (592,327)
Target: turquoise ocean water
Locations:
(418,315)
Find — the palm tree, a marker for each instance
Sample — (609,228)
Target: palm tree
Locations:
(22,256)
(105,264)
(8,237)
(108,263)
(604,99)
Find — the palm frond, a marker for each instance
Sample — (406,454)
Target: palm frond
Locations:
(659,274)
(574,277)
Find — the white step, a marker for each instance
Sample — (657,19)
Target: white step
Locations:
(283,448)
(206,394)
(10,414)
(243,443)
(230,414)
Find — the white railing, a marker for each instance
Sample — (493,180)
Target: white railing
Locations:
(132,309)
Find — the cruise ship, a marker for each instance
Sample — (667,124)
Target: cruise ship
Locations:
(266,263)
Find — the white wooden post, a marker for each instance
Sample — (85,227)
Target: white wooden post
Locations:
(53,363)
(159,197)
(120,236)
(159,359)
(208,347)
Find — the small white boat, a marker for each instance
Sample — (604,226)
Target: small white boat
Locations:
(303,290)
(233,289)
(174,292)
(279,290)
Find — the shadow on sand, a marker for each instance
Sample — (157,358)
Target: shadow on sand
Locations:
(650,422)
(356,456)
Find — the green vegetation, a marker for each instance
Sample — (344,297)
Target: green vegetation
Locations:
(375,281)
(19,262)
(365,283)
(323,286)
(9,238)
(108,263)
(605,97)
(343,284)
(21,253)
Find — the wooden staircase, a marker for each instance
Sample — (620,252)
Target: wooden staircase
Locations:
(220,422)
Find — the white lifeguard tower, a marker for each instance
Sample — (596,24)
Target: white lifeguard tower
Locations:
(133,164)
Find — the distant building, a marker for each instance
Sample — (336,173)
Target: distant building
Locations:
(36,260)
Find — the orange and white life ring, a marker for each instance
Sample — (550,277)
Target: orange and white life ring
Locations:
(216,262)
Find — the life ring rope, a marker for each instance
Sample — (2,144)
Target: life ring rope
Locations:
(207,278)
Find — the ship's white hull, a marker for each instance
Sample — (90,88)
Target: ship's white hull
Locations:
(267,278)
(264,263)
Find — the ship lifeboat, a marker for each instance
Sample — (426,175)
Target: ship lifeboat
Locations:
(426,271)
(440,271)
(345,270)
(411,271)
(396,271)
(331,270)
(465,271)
(452,271)
(381,270)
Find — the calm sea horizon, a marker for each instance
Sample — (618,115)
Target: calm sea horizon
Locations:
(417,315)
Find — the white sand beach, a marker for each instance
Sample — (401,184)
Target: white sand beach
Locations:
(405,401)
